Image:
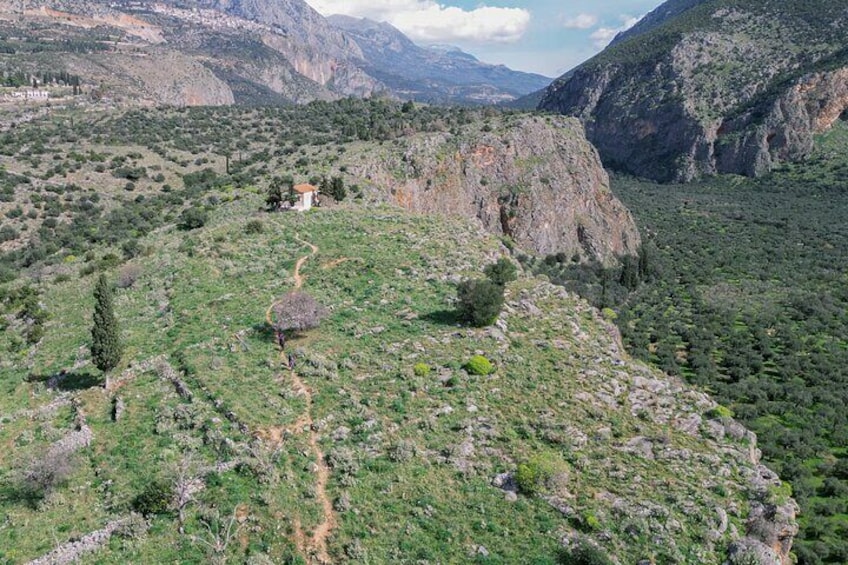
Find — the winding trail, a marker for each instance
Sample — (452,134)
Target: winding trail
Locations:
(313,549)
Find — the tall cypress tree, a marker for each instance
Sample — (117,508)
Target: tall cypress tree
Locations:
(106,346)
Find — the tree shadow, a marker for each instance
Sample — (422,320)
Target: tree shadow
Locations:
(69,381)
(444,318)
(264,331)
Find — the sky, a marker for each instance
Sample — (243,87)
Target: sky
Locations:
(548,37)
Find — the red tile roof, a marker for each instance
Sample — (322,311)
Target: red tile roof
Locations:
(304,188)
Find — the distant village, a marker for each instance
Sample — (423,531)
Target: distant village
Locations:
(21,95)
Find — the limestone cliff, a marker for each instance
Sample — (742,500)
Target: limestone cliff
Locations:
(704,88)
(535,179)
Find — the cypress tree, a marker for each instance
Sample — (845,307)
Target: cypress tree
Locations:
(106,346)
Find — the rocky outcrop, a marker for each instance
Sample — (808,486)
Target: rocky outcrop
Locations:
(534,179)
(783,129)
(699,88)
(130,526)
(771,526)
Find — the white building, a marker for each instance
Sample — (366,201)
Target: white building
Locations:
(37,95)
(307,195)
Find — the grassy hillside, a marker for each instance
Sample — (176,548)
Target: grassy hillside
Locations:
(412,442)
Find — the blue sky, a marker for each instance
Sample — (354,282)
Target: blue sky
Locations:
(543,36)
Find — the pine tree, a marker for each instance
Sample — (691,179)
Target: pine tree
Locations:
(106,346)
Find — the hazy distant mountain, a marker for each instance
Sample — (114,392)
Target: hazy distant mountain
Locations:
(437,73)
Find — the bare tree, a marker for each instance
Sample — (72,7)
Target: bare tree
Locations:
(187,482)
(219,533)
(297,311)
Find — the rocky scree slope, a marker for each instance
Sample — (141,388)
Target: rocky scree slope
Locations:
(627,459)
(534,179)
(717,86)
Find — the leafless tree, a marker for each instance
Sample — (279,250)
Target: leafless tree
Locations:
(219,533)
(187,482)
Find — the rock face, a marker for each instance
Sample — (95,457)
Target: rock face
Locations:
(699,88)
(534,179)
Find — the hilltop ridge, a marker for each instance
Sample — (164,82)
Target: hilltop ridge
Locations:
(201,393)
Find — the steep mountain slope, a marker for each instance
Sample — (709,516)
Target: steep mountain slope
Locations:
(536,180)
(432,75)
(713,86)
(211,52)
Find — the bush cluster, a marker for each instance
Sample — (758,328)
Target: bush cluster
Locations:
(479,301)
(479,365)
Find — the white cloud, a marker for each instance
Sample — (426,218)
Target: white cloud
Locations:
(429,21)
(602,36)
(580,21)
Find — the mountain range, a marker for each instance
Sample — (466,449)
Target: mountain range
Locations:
(712,86)
(249,52)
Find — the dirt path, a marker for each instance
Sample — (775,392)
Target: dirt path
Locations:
(313,549)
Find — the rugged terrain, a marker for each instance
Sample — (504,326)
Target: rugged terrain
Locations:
(217,52)
(419,463)
(382,444)
(430,74)
(534,179)
(717,86)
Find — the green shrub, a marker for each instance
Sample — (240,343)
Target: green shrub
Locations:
(479,365)
(154,499)
(720,412)
(527,478)
(479,301)
(421,369)
(583,554)
(254,227)
(193,218)
(590,522)
(539,472)
(501,272)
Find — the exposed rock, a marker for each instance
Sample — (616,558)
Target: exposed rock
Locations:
(73,551)
(535,179)
(431,74)
(749,551)
(220,52)
(680,95)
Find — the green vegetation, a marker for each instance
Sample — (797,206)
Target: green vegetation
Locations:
(204,397)
(584,554)
(207,435)
(501,272)
(479,301)
(106,348)
(748,300)
(479,365)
